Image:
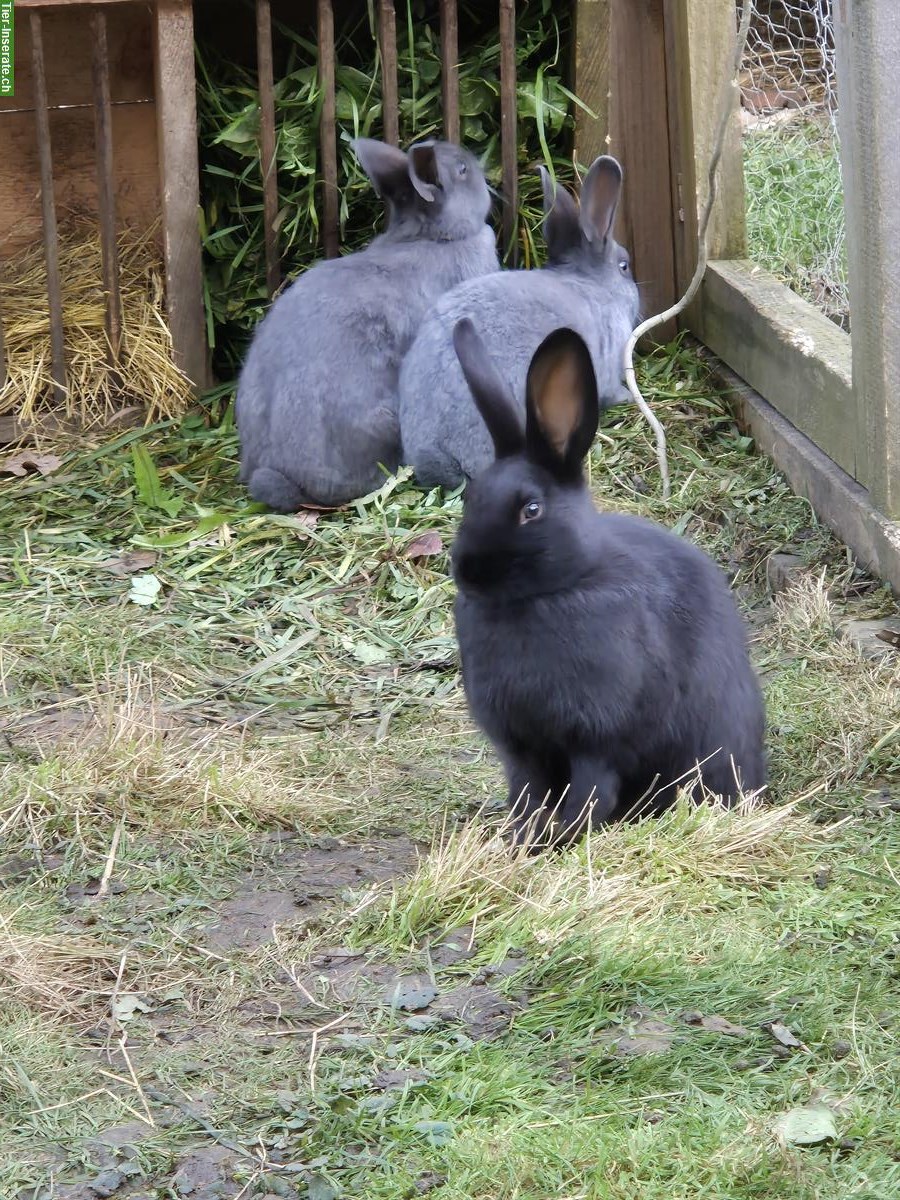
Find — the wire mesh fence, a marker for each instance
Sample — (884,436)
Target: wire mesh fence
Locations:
(792,173)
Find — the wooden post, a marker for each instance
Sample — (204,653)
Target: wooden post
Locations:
(868,49)
(48,208)
(508,131)
(700,37)
(591,78)
(328,128)
(266,79)
(450,69)
(640,140)
(176,118)
(387,45)
(106,193)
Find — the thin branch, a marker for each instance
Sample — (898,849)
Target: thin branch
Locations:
(725,110)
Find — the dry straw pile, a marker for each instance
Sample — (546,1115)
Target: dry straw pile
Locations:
(145,374)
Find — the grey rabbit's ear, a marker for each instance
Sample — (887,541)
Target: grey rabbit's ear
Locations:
(600,194)
(423,170)
(562,408)
(386,166)
(492,397)
(561,229)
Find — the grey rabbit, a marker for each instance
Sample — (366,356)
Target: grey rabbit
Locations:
(587,285)
(317,397)
(603,656)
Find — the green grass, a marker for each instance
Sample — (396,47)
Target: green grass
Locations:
(292,683)
(795,211)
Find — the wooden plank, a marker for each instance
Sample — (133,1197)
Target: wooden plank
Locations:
(700,36)
(328,128)
(2,353)
(106,191)
(74,173)
(176,108)
(387,44)
(868,47)
(786,350)
(268,163)
(591,78)
(68,59)
(640,140)
(508,131)
(48,210)
(450,69)
(839,501)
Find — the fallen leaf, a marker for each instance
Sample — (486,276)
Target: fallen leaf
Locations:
(126,1004)
(645,1033)
(307,518)
(438,1133)
(413,994)
(782,1034)
(144,590)
(808,1126)
(368,653)
(18,464)
(425,546)
(319,1188)
(128,562)
(714,1024)
(421,1024)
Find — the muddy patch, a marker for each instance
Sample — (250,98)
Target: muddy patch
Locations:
(293,884)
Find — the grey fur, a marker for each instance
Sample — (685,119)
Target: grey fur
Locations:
(317,398)
(583,287)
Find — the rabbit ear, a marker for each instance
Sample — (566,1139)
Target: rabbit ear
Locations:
(561,404)
(491,395)
(600,194)
(386,166)
(561,229)
(423,170)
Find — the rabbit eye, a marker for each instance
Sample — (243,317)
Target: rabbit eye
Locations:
(531,511)
(462,170)
(624,266)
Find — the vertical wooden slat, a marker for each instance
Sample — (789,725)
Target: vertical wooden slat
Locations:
(508,133)
(176,121)
(868,85)
(106,197)
(266,81)
(640,140)
(591,78)
(48,210)
(387,44)
(2,353)
(327,128)
(450,69)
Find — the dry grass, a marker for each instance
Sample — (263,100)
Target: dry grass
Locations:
(145,376)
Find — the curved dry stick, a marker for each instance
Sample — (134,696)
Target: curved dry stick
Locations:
(702,254)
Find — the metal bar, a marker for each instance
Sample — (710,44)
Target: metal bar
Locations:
(450,69)
(508,139)
(266,80)
(106,196)
(48,210)
(387,45)
(327,128)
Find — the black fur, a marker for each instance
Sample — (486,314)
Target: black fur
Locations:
(600,653)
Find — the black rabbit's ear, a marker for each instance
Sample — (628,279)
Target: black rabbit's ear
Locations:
(561,228)
(386,166)
(561,403)
(600,194)
(492,397)
(424,173)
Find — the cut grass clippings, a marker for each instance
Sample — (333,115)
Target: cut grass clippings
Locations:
(186,763)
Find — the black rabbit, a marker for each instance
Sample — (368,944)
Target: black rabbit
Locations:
(602,655)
